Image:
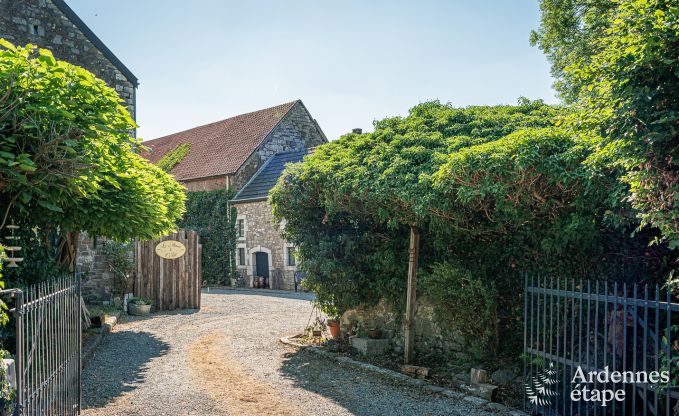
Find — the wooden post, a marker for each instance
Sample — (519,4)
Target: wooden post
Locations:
(413,252)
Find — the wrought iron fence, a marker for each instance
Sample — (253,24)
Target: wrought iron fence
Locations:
(600,348)
(47,320)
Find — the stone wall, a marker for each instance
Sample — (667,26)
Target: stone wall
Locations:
(97,278)
(432,336)
(263,235)
(41,23)
(206,184)
(296,131)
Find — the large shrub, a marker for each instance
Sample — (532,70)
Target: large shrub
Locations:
(209,213)
(494,190)
(623,85)
(67,160)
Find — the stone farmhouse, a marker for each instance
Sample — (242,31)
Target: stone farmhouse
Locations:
(247,153)
(53,25)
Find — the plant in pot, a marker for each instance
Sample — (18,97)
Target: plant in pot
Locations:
(139,306)
(333,323)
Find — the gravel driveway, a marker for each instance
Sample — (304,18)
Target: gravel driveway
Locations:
(226,360)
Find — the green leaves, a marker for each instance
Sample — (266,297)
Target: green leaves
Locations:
(67,159)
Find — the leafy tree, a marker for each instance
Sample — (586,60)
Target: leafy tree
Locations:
(568,33)
(67,160)
(624,86)
(494,190)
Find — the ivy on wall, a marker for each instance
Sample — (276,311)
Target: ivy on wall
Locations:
(208,213)
(174,156)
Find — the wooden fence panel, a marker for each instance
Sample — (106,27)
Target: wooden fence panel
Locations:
(171,283)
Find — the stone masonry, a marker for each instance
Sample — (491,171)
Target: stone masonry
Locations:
(263,235)
(296,131)
(42,23)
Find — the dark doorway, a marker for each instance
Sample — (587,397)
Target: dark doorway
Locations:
(262,264)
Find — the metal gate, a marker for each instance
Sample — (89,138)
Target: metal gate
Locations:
(48,338)
(576,327)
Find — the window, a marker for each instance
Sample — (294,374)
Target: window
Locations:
(240,224)
(241,256)
(34,29)
(291,256)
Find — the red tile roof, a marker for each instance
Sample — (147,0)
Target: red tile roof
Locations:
(218,148)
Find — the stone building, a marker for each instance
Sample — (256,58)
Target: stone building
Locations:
(261,250)
(227,153)
(53,25)
(247,153)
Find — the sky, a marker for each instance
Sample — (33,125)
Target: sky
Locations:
(350,62)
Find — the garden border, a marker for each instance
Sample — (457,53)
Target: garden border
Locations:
(396,376)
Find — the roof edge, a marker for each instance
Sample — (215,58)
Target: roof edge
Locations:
(295,102)
(78,22)
(252,178)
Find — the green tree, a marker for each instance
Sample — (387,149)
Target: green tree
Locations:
(495,190)
(624,89)
(67,160)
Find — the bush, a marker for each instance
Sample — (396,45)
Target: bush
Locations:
(208,214)
(466,301)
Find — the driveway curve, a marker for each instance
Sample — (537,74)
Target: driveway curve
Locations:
(226,360)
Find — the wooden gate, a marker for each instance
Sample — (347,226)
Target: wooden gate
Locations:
(172,282)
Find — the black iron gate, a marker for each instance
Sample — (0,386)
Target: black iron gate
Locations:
(48,340)
(627,335)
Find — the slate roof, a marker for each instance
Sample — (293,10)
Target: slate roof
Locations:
(261,183)
(77,21)
(218,148)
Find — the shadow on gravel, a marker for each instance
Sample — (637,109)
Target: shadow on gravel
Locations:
(363,393)
(118,366)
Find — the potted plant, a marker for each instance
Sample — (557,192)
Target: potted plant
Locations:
(334,327)
(139,306)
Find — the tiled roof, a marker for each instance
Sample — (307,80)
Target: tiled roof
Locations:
(261,183)
(218,148)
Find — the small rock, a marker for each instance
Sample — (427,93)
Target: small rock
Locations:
(501,377)
(497,407)
(479,376)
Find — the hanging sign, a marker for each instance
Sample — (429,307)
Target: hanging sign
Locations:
(170,249)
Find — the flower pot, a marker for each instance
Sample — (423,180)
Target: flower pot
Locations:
(374,334)
(334,329)
(138,310)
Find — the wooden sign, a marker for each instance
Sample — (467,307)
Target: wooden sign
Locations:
(170,249)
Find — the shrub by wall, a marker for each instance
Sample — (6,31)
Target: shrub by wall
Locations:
(208,213)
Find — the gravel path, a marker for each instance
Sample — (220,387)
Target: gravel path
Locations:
(226,360)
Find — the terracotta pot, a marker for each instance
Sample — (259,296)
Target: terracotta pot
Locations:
(374,334)
(334,329)
(138,310)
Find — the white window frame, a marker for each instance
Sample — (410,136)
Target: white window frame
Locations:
(286,246)
(245,227)
(245,260)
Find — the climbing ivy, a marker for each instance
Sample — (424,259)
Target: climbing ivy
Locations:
(174,156)
(209,214)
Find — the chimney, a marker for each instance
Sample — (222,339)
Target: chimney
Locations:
(357,131)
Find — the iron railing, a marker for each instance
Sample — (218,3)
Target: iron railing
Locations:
(48,340)
(574,327)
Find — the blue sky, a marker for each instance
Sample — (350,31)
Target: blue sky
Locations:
(351,62)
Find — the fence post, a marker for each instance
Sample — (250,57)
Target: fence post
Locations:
(413,252)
